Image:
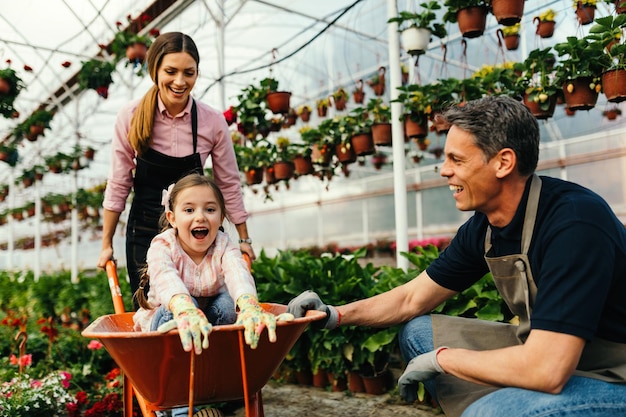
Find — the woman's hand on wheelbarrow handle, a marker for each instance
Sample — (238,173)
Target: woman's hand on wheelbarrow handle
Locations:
(309,300)
(193,326)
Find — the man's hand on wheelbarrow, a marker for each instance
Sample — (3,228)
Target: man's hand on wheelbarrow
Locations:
(193,326)
(308,300)
(254,319)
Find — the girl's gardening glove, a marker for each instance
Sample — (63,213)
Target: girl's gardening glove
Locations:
(193,326)
(421,368)
(254,319)
(308,300)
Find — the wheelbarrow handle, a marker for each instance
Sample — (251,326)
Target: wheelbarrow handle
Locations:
(114,286)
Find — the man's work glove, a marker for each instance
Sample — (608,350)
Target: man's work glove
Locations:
(308,300)
(193,326)
(254,319)
(421,368)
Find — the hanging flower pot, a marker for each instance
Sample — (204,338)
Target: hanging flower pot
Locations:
(614,85)
(136,52)
(472,21)
(511,42)
(345,153)
(305,113)
(5,87)
(363,144)
(381,134)
(541,110)
(580,93)
(358,93)
(270,178)
(34,132)
(303,165)
(283,170)
(620,6)
(254,175)
(278,101)
(377,82)
(507,12)
(415,127)
(415,40)
(612,113)
(545,28)
(585,13)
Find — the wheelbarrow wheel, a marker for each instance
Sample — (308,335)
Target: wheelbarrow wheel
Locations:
(209,412)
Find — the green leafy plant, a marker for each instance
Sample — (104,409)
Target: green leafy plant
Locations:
(96,74)
(378,110)
(425,18)
(417,101)
(547,16)
(579,58)
(14,87)
(607,31)
(536,80)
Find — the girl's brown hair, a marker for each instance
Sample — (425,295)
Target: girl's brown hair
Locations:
(140,132)
(188,181)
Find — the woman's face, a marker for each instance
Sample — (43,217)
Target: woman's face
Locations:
(176,77)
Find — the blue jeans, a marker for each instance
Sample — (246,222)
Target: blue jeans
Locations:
(219,310)
(581,396)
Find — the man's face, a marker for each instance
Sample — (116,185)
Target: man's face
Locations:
(471,178)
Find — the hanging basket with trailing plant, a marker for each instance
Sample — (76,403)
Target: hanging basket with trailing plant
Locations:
(417,27)
(96,74)
(10,86)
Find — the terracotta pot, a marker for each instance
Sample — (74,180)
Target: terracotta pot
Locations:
(578,95)
(5,87)
(611,114)
(340,104)
(270,178)
(536,110)
(136,52)
(569,112)
(358,96)
(511,42)
(304,377)
(375,385)
(415,40)
(337,383)
(320,379)
(283,170)
(544,29)
(254,176)
(322,111)
(507,12)
(414,129)
(585,14)
(345,153)
(363,144)
(379,87)
(381,134)
(35,131)
(90,153)
(620,9)
(303,165)
(321,155)
(614,85)
(355,382)
(472,21)
(278,101)
(305,116)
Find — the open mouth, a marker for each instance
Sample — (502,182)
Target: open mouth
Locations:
(456,188)
(200,233)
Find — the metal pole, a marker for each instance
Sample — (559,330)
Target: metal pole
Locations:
(399,180)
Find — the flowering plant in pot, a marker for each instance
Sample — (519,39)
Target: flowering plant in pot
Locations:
(579,70)
(585,10)
(536,83)
(277,101)
(607,31)
(416,28)
(10,87)
(545,23)
(95,74)
(417,102)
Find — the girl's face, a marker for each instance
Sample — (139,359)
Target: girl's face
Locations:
(197,217)
(176,77)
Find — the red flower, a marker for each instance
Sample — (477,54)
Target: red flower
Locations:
(102,46)
(154,32)
(81,397)
(145,18)
(8,61)
(103,92)
(230,115)
(118,23)
(66,64)
(114,373)
(28,68)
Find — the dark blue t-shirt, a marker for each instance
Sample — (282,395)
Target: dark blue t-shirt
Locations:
(577,257)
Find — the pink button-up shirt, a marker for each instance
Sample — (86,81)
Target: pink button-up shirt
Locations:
(173,272)
(172,136)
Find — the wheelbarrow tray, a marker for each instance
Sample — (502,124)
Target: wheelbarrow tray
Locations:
(159,368)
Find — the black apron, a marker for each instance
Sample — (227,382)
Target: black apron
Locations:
(154,172)
(601,359)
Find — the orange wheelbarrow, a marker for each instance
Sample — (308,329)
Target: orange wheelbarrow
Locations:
(162,376)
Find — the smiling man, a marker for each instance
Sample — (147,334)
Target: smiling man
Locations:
(557,254)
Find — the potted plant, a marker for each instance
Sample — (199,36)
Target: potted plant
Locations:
(377,82)
(8,153)
(380,112)
(322,106)
(445,93)
(304,112)
(579,71)
(95,74)
(508,12)
(277,101)
(608,32)
(321,144)
(496,79)
(34,125)
(359,129)
(471,16)
(536,84)
(545,23)
(127,42)
(340,97)
(416,100)
(416,28)
(358,94)
(251,112)
(585,10)
(510,36)
(285,152)
(10,86)
(252,160)
(620,5)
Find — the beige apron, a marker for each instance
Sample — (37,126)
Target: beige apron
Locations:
(601,359)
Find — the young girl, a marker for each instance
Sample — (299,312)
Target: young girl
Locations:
(195,271)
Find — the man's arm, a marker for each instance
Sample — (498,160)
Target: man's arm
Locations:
(544,363)
(417,297)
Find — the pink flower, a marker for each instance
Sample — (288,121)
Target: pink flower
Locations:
(66,376)
(94,345)
(23,361)
(35,383)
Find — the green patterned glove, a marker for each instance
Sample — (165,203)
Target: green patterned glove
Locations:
(254,319)
(193,326)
